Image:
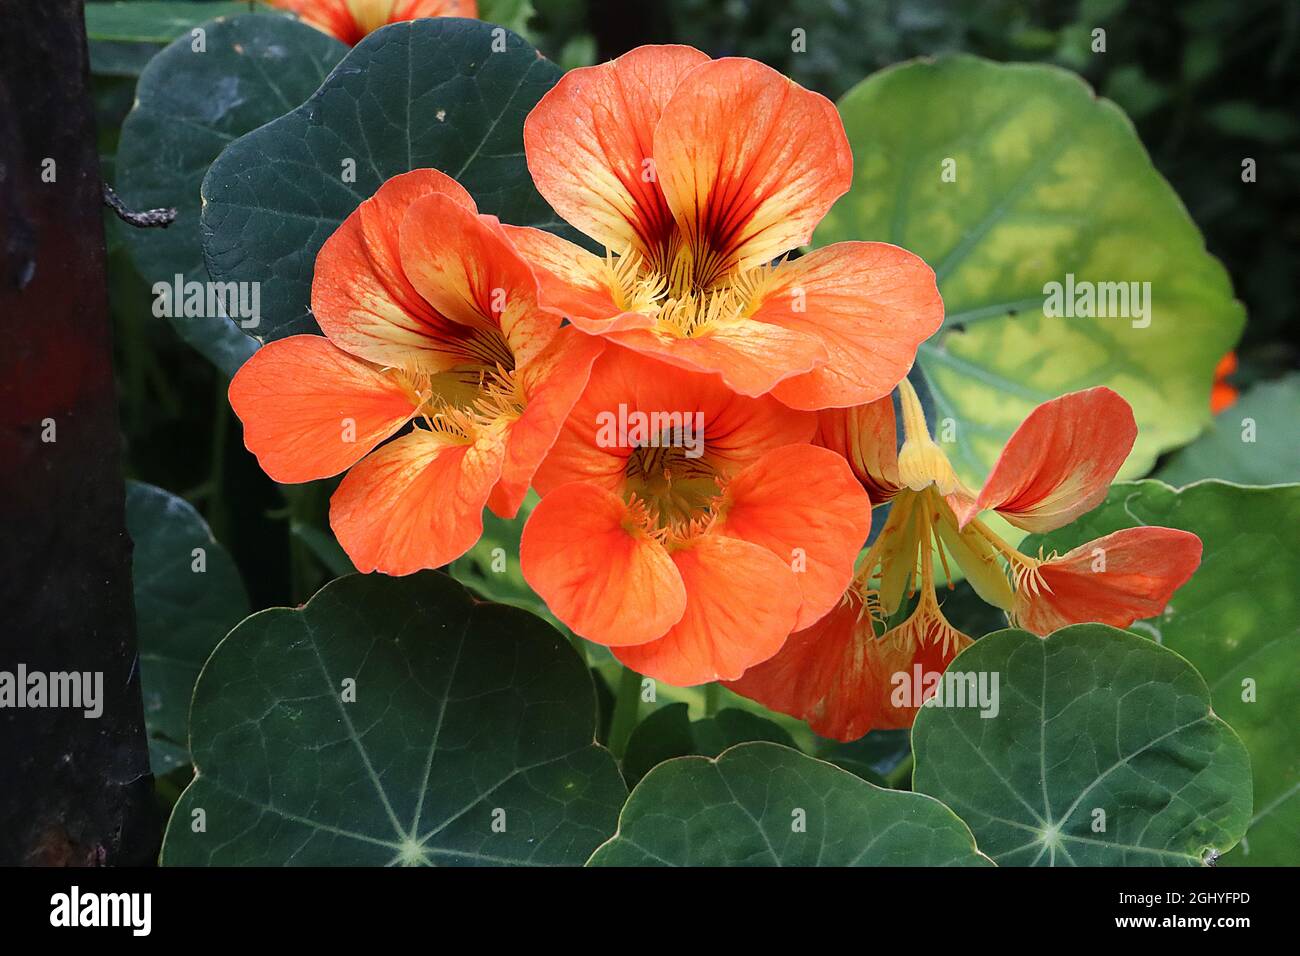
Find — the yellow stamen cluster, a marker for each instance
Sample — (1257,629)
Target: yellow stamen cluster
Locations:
(681,304)
(902,556)
(461,403)
(681,495)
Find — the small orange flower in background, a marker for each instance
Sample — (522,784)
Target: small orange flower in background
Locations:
(689,528)
(351,20)
(695,174)
(1224,394)
(431,319)
(838,674)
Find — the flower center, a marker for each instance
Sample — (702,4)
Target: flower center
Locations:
(684,300)
(463,401)
(672,493)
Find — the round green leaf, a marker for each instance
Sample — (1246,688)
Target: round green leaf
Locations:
(394,720)
(1237,620)
(188,594)
(424,93)
(1252,443)
(189,106)
(1101,750)
(761,804)
(1049,181)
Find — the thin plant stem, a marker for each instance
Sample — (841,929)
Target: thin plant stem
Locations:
(627,708)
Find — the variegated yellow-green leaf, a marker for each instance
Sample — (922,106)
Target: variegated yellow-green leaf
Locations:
(1006,178)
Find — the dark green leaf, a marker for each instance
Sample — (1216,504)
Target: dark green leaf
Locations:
(189,106)
(428,93)
(1237,620)
(188,594)
(470,739)
(158,21)
(1101,750)
(669,732)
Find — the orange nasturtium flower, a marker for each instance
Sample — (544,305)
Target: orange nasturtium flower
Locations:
(689,528)
(351,20)
(695,174)
(430,318)
(839,674)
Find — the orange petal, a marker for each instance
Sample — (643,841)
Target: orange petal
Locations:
(741,604)
(551,383)
(310,410)
(737,430)
(749,160)
(597,572)
(842,679)
(415,503)
(803,504)
(866,436)
(1060,461)
(1114,580)
(572,282)
(751,357)
(589,145)
(871,304)
(464,265)
(360,294)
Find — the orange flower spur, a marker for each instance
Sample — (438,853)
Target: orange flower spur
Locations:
(839,674)
(695,174)
(431,320)
(351,20)
(688,528)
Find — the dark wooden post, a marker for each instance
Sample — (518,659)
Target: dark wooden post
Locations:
(73,789)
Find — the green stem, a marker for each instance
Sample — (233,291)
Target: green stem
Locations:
(308,505)
(900,778)
(216,505)
(712,698)
(627,707)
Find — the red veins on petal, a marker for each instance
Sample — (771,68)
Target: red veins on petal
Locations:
(695,174)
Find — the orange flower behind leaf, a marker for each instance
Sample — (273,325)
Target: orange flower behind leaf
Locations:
(695,174)
(351,20)
(843,675)
(430,319)
(1223,394)
(689,528)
